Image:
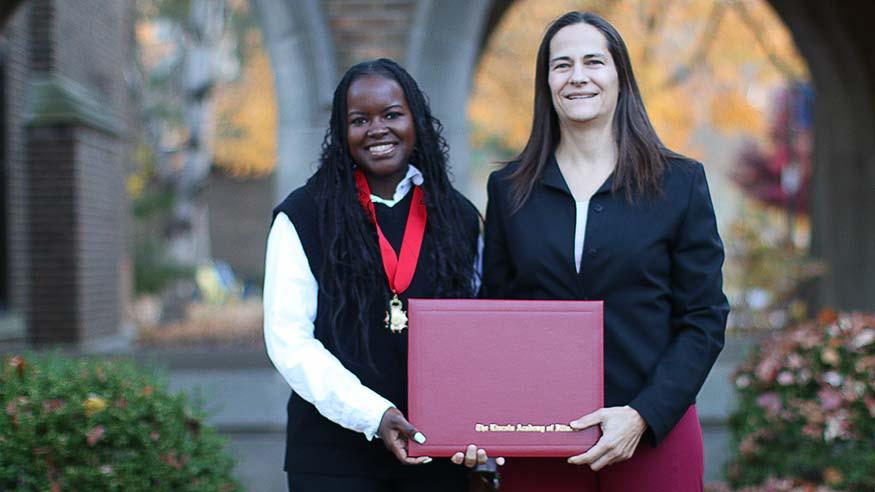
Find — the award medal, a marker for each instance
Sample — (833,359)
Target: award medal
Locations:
(399,268)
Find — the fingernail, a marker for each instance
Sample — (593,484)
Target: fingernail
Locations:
(418,437)
(427,460)
(499,461)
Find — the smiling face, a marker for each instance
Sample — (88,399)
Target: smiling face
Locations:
(582,76)
(380,131)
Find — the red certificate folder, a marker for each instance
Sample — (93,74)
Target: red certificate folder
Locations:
(507,376)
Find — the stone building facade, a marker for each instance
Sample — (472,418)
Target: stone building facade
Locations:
(65,145)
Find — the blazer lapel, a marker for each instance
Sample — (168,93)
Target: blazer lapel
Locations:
(553,178)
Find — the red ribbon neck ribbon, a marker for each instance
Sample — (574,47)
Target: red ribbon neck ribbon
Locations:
(399,271)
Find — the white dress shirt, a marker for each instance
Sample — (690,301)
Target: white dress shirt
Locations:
(290,300)
(581,210)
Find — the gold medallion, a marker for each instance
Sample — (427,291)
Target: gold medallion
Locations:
(396,318)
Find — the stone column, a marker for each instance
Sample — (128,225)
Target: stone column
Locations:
(839,49)
(76,153)
(302,58)
(445,43)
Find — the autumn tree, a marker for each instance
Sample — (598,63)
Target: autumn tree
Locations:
(246,116)
(182,51)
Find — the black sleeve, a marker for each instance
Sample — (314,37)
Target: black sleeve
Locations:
(497,271)
(699,312)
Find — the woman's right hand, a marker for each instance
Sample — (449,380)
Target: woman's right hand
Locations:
(396,432)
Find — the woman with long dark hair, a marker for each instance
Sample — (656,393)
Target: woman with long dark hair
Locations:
(377,223)
(596,207)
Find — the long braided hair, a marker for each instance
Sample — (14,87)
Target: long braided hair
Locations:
(351,270)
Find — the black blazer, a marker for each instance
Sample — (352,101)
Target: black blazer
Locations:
(655,263)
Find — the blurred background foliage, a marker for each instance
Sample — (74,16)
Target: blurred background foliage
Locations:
(205,93)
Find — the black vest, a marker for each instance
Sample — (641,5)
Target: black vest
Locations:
(314,444)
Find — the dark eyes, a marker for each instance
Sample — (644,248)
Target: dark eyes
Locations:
(359,121)
(562,66)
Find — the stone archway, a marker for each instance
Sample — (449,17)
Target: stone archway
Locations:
(440,45)
(303,62)
(446,43)
(837,42)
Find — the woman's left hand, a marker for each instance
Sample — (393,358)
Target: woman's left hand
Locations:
(622,428)
(396,431)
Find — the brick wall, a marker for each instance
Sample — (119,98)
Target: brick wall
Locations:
(17,64)
(54,313)
(41,27)
(100,212)
(98,56)
(76,243)
(65,180)
(366,29)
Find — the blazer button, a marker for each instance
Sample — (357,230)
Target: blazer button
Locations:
(592,252)
(598,207)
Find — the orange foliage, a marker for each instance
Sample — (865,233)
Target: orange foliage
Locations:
(246,123)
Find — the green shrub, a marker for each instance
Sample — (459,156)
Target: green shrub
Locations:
(76,424)
(807,406)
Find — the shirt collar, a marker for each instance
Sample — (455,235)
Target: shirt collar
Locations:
(411,179)
(553,178)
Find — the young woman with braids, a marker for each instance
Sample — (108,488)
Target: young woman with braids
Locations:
(377,223)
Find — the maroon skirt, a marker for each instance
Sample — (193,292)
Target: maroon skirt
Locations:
(676,465)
